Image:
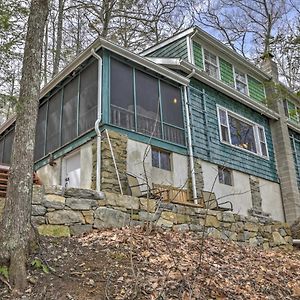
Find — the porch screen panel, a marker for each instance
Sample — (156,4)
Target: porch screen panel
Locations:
(121,95)
(8,141)
(69,116)
(53,123)
(147,105)
(40,134)
(172,113)
(88,97)
(1,149)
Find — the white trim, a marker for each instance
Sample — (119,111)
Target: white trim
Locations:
(217,65)
(246,80)
(188,45)
(249,122)
(167,41)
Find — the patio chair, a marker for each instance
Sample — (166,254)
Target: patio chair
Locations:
(142,189)
(210,202)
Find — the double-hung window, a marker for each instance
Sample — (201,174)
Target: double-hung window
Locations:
(242,133)
(161,159)
(241,82)
(211,64)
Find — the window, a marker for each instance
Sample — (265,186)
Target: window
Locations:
(292,111)
(242,133)
(161,159)
(225,175)
(211,64)
(241,82)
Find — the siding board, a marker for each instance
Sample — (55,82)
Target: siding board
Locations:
(221,153)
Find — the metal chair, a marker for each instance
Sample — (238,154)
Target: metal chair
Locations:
(210,202)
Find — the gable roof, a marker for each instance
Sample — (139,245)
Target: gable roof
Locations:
(197,32)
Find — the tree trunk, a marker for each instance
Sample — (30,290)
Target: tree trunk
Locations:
(16,226)
(57,55)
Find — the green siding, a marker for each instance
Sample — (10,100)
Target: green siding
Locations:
(206,139)
(256,89)
(177,49)
(198,57)
(226,71)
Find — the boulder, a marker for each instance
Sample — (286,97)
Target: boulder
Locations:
(295,229)
(38,210)
(65,217)
(54,201)
(83,193)
(79,229)
(54,230)
(81,204)
(108,218)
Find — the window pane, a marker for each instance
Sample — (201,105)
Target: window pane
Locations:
(88,97)
(69,117)
(121,91)
(155,158)
(165,160)
(147,105)
(242,134)
(263,149)
(224,133)
(241,87)
(53,123)
(171,104)
(40,135)
(8,141)
(222,116)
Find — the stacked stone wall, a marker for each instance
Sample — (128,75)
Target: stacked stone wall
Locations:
(57,211)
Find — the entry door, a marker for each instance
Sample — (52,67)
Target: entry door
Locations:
(72,174)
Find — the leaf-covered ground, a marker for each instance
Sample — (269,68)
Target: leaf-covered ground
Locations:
(132,264)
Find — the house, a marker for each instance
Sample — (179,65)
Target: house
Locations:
(187,113)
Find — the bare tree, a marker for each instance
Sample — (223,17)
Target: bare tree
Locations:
(16,226)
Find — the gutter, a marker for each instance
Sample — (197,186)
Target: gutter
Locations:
(190,145)
(98,121)
(296,242)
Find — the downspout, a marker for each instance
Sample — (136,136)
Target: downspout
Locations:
(296,242)
(190,146)
(98,121)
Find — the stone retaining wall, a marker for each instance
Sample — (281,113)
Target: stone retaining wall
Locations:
(64,212)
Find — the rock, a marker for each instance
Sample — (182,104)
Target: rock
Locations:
(54,230)
(164,223)
(213,232)
(81,204)
(65,217)
(88,216)
(83,193)
(54,190)
(38,210)
(79,229)
(266,246)
(228,217)
(282,232)
(38,220)
(278,239)
(38,193)
(175,218)
(181,227)
(145,216)
(148,205)
(185,210)
(195,227)
(108,217)
(54,201)
(233,236)
(251,226)
(295,229)
(253,242)
(125,201)
(212,221)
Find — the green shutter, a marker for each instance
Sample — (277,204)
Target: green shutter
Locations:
(292,111)
(198,58)
(256,89)
(226,71)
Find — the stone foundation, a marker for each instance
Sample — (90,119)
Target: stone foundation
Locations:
(57,211)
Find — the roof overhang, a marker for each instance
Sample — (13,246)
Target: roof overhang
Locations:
(188,68)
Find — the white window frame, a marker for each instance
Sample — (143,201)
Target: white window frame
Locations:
(159,158)
(217,65)
(222,170)
(255,131)
(246,81)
